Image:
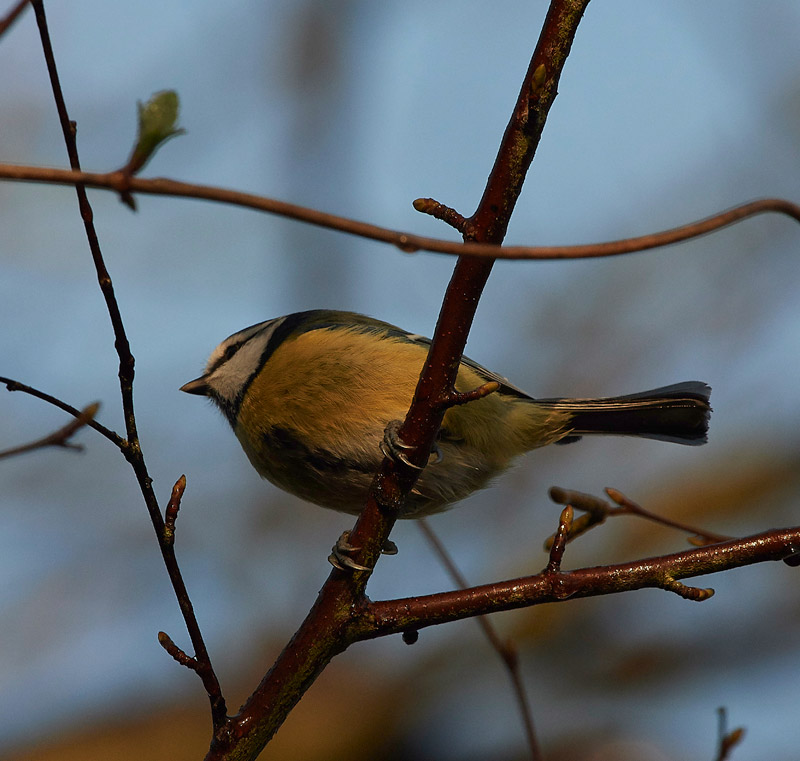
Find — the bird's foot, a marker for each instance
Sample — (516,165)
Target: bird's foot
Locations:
(393,446)
(340,553)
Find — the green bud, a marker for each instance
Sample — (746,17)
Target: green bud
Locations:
(157,120)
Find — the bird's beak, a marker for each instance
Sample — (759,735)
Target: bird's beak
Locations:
(197,386)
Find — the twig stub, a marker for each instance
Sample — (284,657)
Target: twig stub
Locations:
(442,212)
(173,506)
(457,398)
(560,540)
(179,655)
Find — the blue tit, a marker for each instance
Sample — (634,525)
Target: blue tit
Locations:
(309,396)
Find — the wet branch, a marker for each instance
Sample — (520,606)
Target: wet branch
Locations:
(664,572)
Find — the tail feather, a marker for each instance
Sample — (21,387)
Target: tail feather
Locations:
(677,413)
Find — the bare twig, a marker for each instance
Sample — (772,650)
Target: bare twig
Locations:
(409,242)
(560,539)
(114,438)
(12,16)
(440,211)
(504,648)
(696,594)
(456,398)
(699,537)
(727,740)
(132,449)
(179,655)
(596,510)
(61,437)
(171,513)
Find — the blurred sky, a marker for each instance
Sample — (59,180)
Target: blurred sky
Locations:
(668,111)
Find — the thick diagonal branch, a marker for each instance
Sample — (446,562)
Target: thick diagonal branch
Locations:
(326,630)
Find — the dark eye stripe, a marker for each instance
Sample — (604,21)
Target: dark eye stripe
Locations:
(227,354)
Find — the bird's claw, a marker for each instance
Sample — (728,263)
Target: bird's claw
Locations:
(340,559)
(392,446)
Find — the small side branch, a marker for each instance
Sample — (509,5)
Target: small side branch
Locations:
(12,15)
(440,211)
(200,663)
(728,740)
(596,510)
(560,539)
(696,594)
(179,655)
(699,537)
(171,513)
(114,438)
(60,438)
(457,398)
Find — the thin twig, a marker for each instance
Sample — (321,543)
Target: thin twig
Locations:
(504,648)
(596,511)
(699,537)
(171,513)
(112,436)
(132,451)
(59,438)
(12,16)
(409,242)
(179,655)
(696,594)
(440,211)
(457,398)
(727,741)
(560,539)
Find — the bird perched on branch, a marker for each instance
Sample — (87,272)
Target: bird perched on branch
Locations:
(310,396)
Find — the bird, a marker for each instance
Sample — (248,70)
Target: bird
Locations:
(310,395)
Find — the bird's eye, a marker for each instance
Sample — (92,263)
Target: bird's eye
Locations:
(230,351)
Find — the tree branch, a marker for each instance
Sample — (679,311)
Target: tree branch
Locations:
(395,616)
(409,242)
